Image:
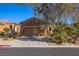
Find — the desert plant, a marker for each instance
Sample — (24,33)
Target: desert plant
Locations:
(58,35)
(72,34)
(2,33)
(75,32)
(7,30)
(13,34)
(10,33)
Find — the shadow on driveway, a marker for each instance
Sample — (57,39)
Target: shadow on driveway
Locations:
(33,38)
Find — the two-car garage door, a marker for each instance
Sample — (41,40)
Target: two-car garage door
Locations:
(33,31)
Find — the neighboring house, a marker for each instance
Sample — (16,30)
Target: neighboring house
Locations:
(8,24)
(33,27)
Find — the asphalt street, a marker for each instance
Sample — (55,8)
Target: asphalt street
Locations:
(32,51)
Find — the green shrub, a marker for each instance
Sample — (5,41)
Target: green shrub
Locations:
(2,33)
(7,30)
(13,34)
(58,35)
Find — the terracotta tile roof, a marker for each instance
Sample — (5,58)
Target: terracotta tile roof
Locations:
(31,20)
(6,21)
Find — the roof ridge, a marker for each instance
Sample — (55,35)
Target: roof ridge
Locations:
(6,21)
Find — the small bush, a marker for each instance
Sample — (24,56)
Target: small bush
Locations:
(7,30)
(13,34)
(2,33)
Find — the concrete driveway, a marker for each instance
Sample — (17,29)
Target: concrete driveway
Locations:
(30,41)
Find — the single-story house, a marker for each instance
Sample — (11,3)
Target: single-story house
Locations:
(33,27)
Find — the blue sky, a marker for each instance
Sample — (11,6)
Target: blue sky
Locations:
(15,12)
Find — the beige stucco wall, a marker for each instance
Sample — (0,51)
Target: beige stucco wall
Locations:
(8,25)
